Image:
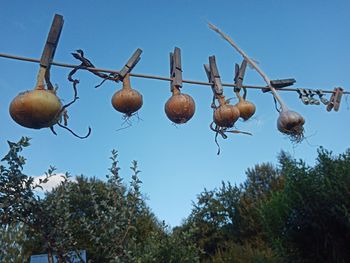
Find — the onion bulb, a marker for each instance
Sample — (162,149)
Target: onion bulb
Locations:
(226,114)
(127,100)
(38,108)
(180,107)
(291,123)
(246,108)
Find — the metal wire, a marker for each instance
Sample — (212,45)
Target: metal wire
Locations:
(64,65)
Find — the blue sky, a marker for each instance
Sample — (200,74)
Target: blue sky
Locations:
(306,40)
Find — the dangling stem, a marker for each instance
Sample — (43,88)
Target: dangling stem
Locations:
(244,93)
(48,81)
(72,132)
(220,130)
(63,111)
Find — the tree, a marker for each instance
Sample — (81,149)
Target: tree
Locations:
(169,247)
(293,213)
(262,182)
(112,221)
(227,219)
(107,218)
(309,220)
(17,198)
(98,216)
(210,222)
(290,213)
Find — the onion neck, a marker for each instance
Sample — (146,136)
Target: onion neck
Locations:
(126,82)
(240,98)
(221,99)
(175,90)
(284,107)
(40,84)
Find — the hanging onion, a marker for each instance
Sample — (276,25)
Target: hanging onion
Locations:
(226,114)
(180,107)
(246,108)
(41,107)
(291,123)
(36,109)
(224,117)
(127,100)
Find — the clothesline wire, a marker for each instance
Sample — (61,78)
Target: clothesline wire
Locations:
(65,65)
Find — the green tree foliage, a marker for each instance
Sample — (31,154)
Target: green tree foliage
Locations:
(292,213)
(289,213)
(16,188)
(21,208)
(227,220)
(18,201)
(168,247)
(213,218)
(109,219)
(261,182)
(310,221)
(112,221)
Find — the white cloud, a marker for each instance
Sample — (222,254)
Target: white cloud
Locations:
(53,181)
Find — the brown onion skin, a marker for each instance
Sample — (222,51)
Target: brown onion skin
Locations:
(246,109)
(289,120)
(127,101)
(180,108)
(35,109)
(226,115)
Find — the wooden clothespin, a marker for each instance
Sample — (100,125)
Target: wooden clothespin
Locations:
(175,69)
(213,76)
(134,59)
(334,102)
(280,83)
(49,51)
(239,75)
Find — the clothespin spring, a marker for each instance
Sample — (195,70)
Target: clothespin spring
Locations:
(321,96)
(303,95)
